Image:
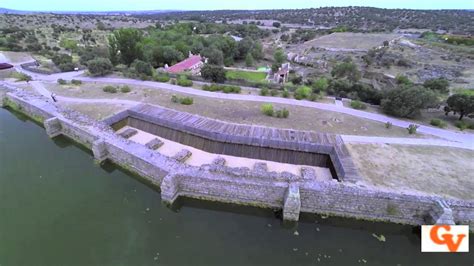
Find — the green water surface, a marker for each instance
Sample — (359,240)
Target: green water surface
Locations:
(59,208)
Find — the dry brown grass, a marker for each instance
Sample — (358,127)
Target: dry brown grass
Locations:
(347,40)
(435,170)
(95,111)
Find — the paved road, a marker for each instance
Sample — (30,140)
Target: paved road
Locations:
(465,138)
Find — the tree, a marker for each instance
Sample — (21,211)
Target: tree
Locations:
(142,67)
(101,26)
(257,51)
(214,56)
(170,55)
(279,56)
(92,52)
(213,72)
(439,84)
(347,70)
(59,59)
(99,66)
(249,60)
(460,103)
(127,41)
(407,101)
(244,47)
(276,24)
(113,50)
(63,62)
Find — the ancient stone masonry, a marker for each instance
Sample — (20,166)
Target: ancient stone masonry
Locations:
(281,145)
(241,185)
(292,205)
(53,127)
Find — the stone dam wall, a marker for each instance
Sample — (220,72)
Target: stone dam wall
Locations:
(218,182)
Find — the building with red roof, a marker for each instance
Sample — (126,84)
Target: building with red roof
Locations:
(191,64)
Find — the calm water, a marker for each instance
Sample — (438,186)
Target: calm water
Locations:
(59,208)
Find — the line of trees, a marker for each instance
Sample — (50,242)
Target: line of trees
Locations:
(173,44)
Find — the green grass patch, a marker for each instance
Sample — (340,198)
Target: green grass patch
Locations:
(245,75)
(469,92)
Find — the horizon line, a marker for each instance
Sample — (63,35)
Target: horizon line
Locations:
(230,9)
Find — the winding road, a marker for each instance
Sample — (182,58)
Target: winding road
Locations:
(451,138)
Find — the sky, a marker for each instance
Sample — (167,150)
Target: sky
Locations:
(129,5)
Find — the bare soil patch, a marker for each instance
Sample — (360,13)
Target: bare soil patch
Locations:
(440,171)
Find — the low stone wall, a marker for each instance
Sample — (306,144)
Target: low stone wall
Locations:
(258,187)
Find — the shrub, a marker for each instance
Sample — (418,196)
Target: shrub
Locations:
(162,78)
(412,128)
(186,101)
(408,101)
(99,66)
(110,89)
(182,100)
(125,89)
(62,82)
(297,79)
(264,91)
(282,113)
(303,92)
(231,89)
(274,92)
(438,123)
(285,93)
(174,99)
(66,67)
(439,84)
(213,73)
(76,82)
(184,81)
(462,125)
(388,125)
(267,109)
(314,97)
(142,68)
(320,85)
(358,105)
(223,88)
(59,59)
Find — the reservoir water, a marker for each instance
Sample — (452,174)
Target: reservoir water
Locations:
(57,207)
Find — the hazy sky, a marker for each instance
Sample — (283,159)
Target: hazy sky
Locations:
(117,5)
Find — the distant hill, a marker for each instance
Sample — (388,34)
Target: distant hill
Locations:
(109,13)
(12,11)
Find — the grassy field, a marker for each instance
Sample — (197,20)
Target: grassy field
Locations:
(246,75)
(435,170)
(301,118)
